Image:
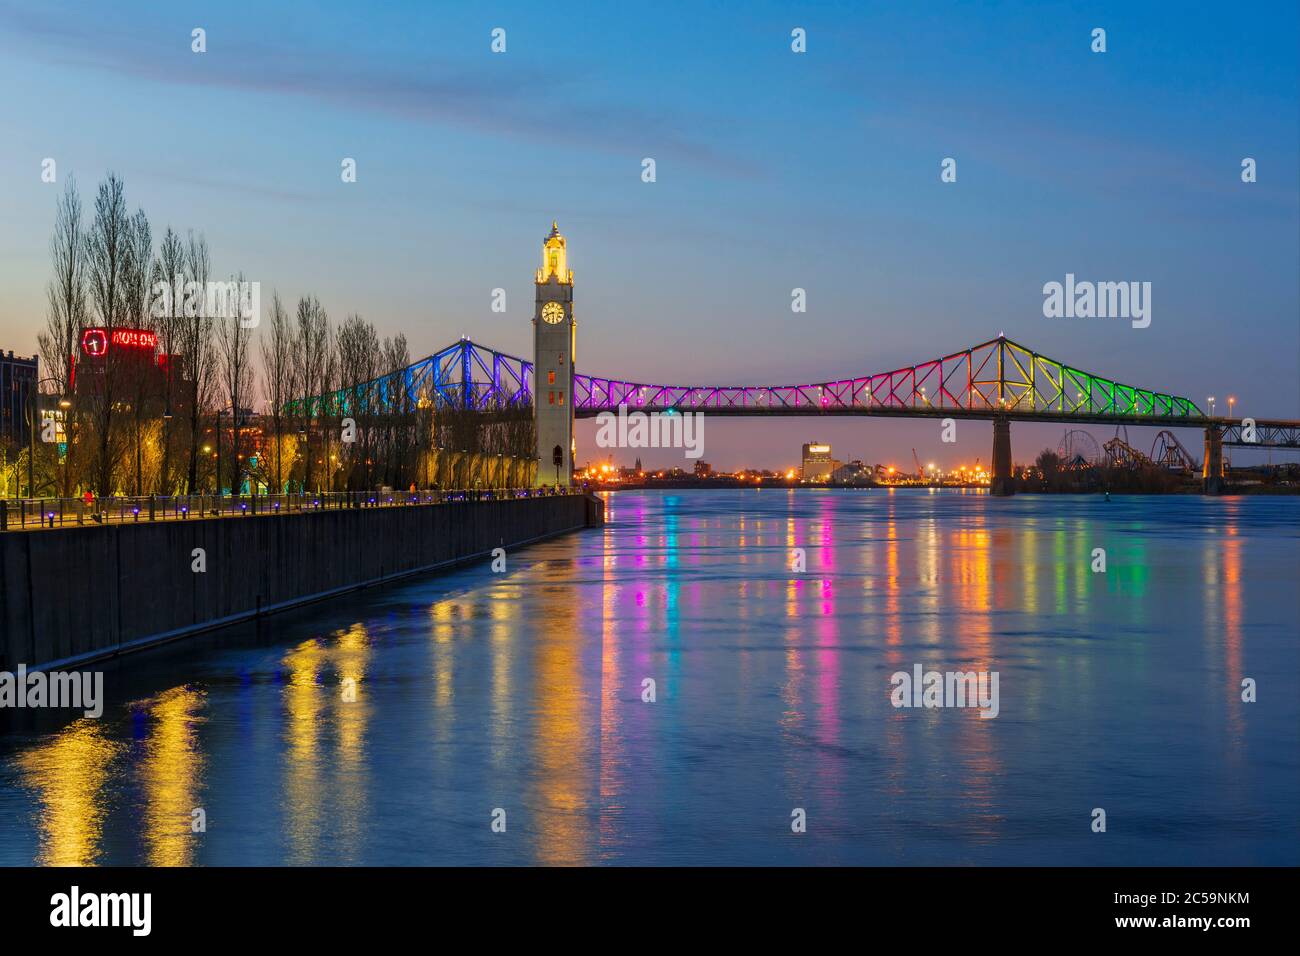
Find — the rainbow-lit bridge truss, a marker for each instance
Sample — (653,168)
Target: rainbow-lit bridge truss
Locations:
(463,375)
(994,379)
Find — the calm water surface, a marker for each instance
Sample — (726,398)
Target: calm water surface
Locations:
(523,691)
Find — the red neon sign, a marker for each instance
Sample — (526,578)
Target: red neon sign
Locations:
(95,342)
(135,338)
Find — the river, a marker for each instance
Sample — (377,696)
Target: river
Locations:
(396,726)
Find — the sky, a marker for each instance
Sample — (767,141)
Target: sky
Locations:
(774,171)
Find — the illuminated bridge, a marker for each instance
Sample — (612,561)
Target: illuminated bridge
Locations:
(999,380)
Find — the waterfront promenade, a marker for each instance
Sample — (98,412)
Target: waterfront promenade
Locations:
(73,595)
(34,514)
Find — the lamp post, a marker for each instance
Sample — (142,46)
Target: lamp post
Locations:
(217,481)
(304,451)
(64,402)
(1210,399)
(1231,401)
(167,416)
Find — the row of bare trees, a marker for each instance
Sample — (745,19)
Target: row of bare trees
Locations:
(211,411)
(122,433)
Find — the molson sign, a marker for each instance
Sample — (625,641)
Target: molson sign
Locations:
(95,341)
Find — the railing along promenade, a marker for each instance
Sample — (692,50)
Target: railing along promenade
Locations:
(17,514)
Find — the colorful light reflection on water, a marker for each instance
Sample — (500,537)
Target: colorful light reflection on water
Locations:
(523,691)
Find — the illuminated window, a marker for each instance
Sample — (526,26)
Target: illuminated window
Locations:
(550,378)
(561,398)
(552,394)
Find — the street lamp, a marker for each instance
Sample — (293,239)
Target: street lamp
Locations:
(1231,401)
(1210,399)
(64,402)
(217,481)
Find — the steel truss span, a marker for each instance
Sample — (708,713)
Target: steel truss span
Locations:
(463,375)
(997,378)
(1268,434)
(994,378)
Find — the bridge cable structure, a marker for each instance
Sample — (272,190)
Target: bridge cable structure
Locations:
(999,380)
(995,378)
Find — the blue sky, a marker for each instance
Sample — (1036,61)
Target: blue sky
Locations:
(775,171)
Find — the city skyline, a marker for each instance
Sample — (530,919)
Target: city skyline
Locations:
(662,436)
(690,277)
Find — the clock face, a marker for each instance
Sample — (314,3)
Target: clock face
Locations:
(553,313)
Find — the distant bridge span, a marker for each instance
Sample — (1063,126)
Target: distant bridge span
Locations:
(998,380)
(993,379)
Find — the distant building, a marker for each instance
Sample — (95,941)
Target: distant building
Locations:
(133,354)
(18,377)
(703,469)
(818,465)
(854,473)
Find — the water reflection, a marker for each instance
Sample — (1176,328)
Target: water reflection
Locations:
(350,655)
(563,760)
(69,774)
(303,783)
(385,729)
(171,774)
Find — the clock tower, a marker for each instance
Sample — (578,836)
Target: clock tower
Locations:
(554,334)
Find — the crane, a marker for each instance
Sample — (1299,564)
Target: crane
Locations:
(920,472)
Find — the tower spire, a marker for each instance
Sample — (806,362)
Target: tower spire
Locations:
(555,264)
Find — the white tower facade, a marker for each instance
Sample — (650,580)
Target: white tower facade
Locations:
(554,335)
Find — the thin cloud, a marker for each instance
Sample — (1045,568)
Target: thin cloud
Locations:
(496,103)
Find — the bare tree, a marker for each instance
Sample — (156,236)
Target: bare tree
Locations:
(279,377)
(169,272)
(357,347)
(399,417)
(313,355)
(66,313)
(108,254)
(235,372)
(139,377)
(195,328)
(329,390)
(66,292)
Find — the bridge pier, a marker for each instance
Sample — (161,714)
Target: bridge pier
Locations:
(1001,483)
(1212,471)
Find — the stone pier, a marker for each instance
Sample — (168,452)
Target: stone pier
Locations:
(1212,471)
(1001,482)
